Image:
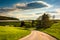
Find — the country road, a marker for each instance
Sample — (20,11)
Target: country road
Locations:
(37,35)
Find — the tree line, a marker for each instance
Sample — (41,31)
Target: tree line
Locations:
(42,22)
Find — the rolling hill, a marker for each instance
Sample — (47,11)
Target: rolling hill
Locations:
(7,18)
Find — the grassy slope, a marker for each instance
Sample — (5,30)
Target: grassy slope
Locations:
(54,30)
(12,33)
(7,18)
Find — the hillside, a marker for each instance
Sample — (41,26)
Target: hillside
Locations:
(54,30)
(12,33)
(7,18)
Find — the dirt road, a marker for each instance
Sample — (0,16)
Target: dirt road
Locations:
(37,35)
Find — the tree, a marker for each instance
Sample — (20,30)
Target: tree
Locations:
(32,23)
(53,17)
(45,21)
(22,23)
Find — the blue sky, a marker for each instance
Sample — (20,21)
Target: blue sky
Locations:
(22,12)
(9,3)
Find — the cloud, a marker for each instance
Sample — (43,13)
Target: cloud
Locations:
(2,10)
(58,10)
(32,5)
(22,15)
(20,4)
(32,12)
(42,3)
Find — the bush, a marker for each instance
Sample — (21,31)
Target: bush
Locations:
(28,25)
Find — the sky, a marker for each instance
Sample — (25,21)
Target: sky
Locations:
(29,9)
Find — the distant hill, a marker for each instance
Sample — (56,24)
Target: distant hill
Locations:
(7,18)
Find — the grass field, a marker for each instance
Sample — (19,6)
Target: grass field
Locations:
(12,33)
(54,30)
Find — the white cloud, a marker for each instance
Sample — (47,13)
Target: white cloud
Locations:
(20,4)
(44,3)
(26,14)
(22,14)
(58,10)
(25,5)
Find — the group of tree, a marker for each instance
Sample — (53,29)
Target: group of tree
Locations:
(44,22)
(27,24)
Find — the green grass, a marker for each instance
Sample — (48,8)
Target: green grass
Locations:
(12,33)
(54,30)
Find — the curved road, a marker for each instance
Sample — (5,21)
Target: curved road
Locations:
(37,35)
